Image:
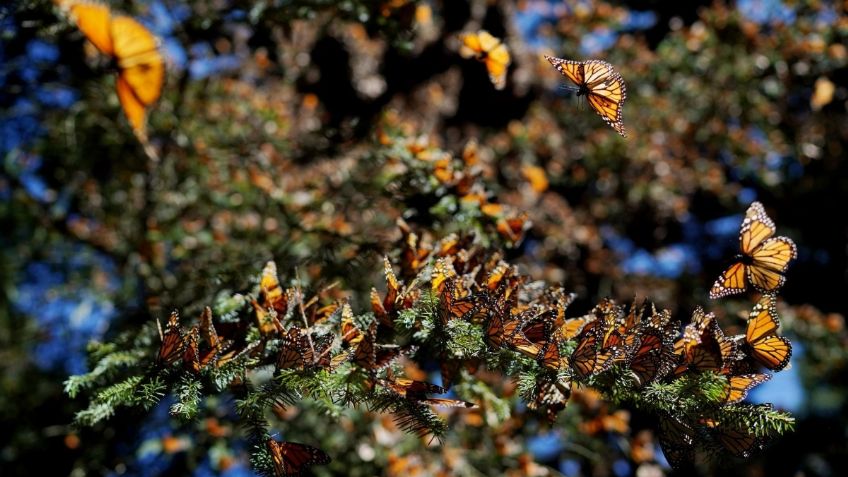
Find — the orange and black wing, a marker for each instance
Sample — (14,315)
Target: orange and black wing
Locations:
(573,70)
(491,51)
(171,348)
(291,458)
(606,92)
(142,68)
(770,350)
(738,386)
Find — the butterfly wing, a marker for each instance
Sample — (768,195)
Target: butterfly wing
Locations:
(738,386)
(770,260)
(756,228)
(677,440)
(142,67)
(573,70)
(730,282)
(171,349)
(489,49)
(291,458)
(606,92)
(93,20)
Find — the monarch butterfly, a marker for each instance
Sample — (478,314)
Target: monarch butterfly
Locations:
(300,351)
(704,347)
(770,350)
(193,358)
(272,294)
(484,47)
(417,390)
(368,355)
(764,258)
(677,440)
(141,68)
(396,299)
(738,386)
(291,458)
(585,359)
(413,253)
(600,83)
(739,442)
(550,397)
(654,358)
(171,349)
(454,305)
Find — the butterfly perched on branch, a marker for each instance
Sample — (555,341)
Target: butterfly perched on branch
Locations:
(134,50)
(763,259)
(600,83)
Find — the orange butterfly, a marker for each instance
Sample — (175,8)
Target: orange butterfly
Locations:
(171,349)
(141,67)
(484,47)
(765,346)
(738,386)
(764,258)
(550,397)
(704,347)
(600,83)
(741,443)
(291,458)
(417,390)
(195,359)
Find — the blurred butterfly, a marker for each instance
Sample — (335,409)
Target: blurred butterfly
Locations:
(135,50)
(550,397)
(600,83)
(369,355)
(490,50)
(704,347)
(740,443)
(765,346)
(291,458)
(764,258)
(655,357)
(738,386)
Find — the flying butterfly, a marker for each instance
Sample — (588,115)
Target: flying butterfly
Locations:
(490,50)
(764,258)
(417,390)
(291,458)
(765,346)
(135,50)
(600,83)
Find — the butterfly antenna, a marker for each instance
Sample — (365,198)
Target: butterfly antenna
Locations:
(302,309)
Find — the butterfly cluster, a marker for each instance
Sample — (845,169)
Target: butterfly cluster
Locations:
(458,284)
